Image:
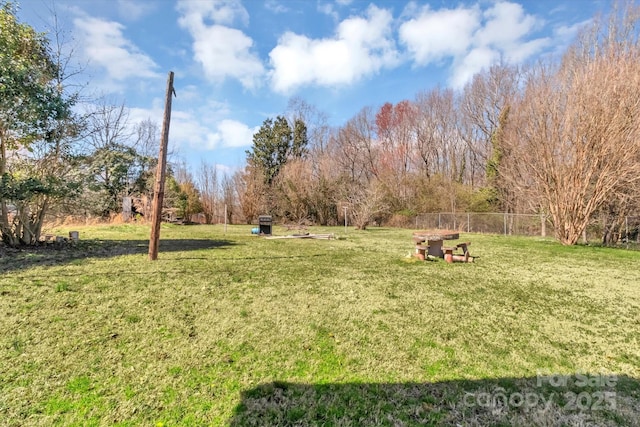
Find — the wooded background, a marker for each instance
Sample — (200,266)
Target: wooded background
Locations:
(558,138)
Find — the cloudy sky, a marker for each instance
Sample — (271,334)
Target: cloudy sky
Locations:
(237,63)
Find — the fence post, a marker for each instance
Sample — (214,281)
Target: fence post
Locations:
(626,230)
(468,222)
(543,225)
(438,219)
(504,221)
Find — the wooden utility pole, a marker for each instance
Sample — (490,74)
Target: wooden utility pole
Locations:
(156,217)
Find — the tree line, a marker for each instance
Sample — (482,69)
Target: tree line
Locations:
(559,137)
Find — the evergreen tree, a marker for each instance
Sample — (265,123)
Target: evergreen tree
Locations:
(300,139)
(273,144)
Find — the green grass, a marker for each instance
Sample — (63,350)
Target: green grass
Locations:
(232,329)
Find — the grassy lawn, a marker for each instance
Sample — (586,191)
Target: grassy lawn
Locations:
(232,329)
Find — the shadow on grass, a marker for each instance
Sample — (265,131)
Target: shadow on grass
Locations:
(12,259)
(597,400)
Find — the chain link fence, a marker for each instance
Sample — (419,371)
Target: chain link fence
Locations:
(492,223)
(625,232)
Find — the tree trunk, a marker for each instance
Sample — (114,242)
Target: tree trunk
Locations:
(5,227)
(40,219)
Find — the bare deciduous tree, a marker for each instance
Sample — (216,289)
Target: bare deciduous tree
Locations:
(575,137)
(318,129)
(484,108)
(251,190)
(396,134)
(207,184)
(354,147)
(293,190)
(366,204)
(229,197)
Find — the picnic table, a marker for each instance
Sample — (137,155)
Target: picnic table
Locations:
(434,245)
(434,239)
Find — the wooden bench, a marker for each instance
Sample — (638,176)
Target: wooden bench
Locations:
(421,251)
(448,253)
(464,246)
(450,257)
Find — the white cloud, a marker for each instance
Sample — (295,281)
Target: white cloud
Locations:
(434,35)
(526,50)
(133,10)
(327,9)
(189,130)
(231,133)
(223,52)
(506,23)
(565,35)
(137,115)
(226,170)
(473,62)
(470,38)
(201,129)
(105,46)
(191,93)
(183,130)
(275,6)
(506,27)
(221,12)
(361,46)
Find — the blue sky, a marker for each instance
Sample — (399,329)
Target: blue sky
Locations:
(237,63)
